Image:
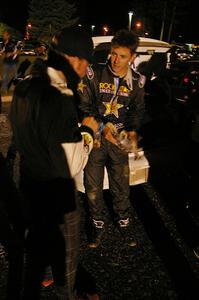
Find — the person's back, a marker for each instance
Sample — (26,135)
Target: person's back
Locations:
(38,125)
(46,132)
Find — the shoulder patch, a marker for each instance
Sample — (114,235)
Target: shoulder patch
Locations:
(90,73)
(81,86)
(141,81)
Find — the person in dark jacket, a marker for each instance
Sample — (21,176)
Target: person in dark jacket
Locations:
(114,95)
(52,148)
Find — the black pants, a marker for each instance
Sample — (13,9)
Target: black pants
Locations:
(53,237)
(116,162)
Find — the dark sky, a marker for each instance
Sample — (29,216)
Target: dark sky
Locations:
(102,12)
(14,13)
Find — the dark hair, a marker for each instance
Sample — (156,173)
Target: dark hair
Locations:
(125,38)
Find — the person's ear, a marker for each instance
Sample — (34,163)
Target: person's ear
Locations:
(132,58)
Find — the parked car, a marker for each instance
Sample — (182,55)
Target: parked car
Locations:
(147,47)
(185,80)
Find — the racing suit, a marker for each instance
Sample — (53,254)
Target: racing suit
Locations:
(120,101)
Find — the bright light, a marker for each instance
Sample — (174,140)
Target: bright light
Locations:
(29,25)
(105,29)
(130,13)
(186,79)
(92,28)
(138,25)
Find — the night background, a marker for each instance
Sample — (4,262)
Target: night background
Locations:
(165,263)
(115,16)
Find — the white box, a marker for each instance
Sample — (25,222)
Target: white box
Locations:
(139,169)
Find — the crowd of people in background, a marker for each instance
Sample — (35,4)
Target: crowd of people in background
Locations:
(11,67)
(9,55)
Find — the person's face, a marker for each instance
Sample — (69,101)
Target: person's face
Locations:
(41,49)
(5,36)
(121,57)
(79,65)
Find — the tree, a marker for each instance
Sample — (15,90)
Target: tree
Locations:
(15,34)
(48,16)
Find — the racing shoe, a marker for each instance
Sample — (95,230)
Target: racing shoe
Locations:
(97,233)
(125,232)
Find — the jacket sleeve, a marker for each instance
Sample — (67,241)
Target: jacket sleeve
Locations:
(77,153)
(136,110)
(88,93)
(75,140)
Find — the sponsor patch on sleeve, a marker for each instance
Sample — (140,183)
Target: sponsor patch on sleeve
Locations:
(81,86)
(90,73)
(141,81)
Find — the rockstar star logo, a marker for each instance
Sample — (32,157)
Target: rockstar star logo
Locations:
(81,86)
(112,108)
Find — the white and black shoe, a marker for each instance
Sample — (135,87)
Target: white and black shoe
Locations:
(125,232)
(96,234)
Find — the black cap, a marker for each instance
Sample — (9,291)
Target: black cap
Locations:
(74,41)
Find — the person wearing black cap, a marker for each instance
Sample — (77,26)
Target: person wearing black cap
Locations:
(53,149)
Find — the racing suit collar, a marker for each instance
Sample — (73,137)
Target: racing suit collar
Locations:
(128,77)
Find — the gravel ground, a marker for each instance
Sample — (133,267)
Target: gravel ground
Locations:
(119,272)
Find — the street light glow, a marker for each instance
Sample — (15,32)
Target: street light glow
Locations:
(138,25)
(130,13)
(105,29)
(92,28)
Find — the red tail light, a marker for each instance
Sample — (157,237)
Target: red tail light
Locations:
(186,79)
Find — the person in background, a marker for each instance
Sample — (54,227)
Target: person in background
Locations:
(9,55)
(40,49)
(159,116)
(114,95)
(53,149)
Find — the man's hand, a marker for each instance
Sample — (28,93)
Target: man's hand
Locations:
(133,137)
(107,133)
(91,123)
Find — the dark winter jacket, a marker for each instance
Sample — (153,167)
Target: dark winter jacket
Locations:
(45,122)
